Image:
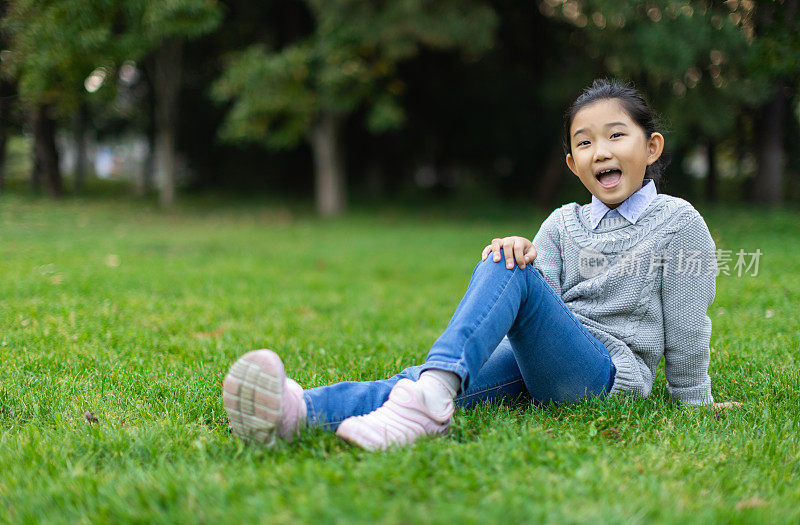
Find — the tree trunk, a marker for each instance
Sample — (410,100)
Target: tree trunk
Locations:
(167,83)
(329,176)
(81,156)
(547,186)
(3,136)
(674,179)
(6,92)
(375,179)
(711,176)
(768,186)
(144,182)
(45,151)
(36,176)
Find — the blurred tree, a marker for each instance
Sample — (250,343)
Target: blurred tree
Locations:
(52,46)
(703,63)
(687,56)
(239,166)
(158,31)
(307,88)
(55,44)
(775,60)
(7,94)
(475,128)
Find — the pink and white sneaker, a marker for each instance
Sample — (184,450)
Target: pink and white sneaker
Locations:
(261,401)
(401,420)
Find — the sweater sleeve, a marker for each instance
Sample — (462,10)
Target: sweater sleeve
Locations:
(548,251)
(687,291)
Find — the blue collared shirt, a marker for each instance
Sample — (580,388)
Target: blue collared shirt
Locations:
(631,208)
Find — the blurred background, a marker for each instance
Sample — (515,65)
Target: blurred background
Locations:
(341,102)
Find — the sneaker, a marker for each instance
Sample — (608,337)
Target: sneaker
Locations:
(262,403)
(401,420)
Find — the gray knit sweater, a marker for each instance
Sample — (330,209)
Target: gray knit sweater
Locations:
(641,289)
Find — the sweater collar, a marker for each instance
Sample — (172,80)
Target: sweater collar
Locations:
(631,208)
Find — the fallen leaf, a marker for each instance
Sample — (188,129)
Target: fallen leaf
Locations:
(611,433)
(749,503)
(725,404)
(90,418)
(215,333)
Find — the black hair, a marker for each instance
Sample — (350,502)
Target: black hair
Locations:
(632,102)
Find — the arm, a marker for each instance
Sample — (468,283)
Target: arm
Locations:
(548,244)
(686,295)
(544,252)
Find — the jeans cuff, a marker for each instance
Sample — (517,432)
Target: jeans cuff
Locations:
(311,412)
(611,380)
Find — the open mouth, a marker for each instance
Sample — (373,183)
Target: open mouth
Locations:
(609,178)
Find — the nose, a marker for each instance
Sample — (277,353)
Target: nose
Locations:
(601,152)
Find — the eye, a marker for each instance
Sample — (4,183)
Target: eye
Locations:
(617,134)
(583,143)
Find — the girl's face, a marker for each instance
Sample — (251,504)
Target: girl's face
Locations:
(609,151)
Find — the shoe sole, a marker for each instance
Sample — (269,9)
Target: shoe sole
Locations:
(252,393)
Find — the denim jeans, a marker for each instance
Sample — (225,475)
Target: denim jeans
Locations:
(511,337)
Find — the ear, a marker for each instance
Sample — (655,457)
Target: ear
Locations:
(571,164)
(655,147)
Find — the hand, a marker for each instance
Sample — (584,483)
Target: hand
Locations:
(725,404)
(515,248)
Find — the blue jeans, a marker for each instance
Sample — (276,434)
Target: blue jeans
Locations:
(511,337)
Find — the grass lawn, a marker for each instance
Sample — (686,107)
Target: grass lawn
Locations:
(135,315)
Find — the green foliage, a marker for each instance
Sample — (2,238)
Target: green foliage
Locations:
(349,61)
(706,66)
(56,44)
(692,57)
(156,20)
(776,48)
(136,315)
(272,101)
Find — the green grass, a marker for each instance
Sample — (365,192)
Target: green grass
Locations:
(135,315)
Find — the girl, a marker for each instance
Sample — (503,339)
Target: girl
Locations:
(586,309)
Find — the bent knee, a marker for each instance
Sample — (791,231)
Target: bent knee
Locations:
(490,265)
(489,261)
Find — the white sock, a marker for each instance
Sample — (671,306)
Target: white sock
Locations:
(438,388)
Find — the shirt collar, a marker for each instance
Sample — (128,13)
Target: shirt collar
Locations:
(631,208)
